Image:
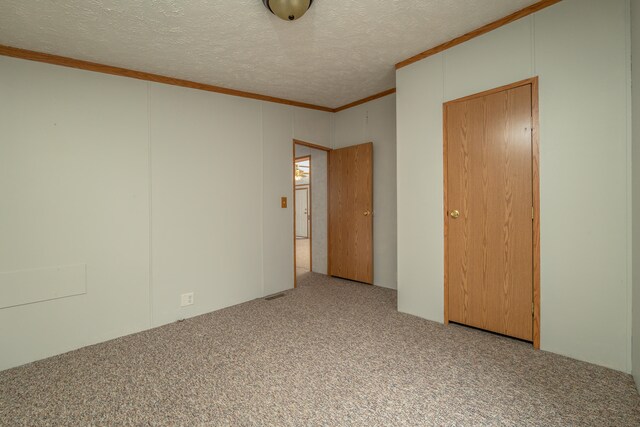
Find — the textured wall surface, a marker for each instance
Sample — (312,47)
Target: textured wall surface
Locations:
(635,77)
(74,181)
(338,52)
(153,190)
(584,145)
(280,125)
(204,208)
(375,122)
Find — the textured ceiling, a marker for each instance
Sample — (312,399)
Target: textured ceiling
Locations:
(339,52)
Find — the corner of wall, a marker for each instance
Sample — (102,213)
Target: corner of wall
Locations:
(634,187)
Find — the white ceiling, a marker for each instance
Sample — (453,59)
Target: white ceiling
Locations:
(339,52)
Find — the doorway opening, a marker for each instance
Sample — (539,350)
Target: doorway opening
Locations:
(310,213)
(302,203)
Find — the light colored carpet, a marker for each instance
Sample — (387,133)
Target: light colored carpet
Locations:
(329,353)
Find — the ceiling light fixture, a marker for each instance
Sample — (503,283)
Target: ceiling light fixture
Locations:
(289,10)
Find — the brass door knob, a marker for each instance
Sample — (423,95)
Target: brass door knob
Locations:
(367,213)
(454,214)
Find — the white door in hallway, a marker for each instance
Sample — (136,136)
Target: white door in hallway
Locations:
(302,212)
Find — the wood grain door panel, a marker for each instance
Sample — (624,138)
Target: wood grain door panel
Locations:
(351,213)
(489,181)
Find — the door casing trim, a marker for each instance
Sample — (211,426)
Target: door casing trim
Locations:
(310,230)
(293,184)
(309,212)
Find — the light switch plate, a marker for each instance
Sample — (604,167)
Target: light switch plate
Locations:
(283,202)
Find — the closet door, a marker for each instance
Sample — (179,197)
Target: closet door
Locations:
(489,242)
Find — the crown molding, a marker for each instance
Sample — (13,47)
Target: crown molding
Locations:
(364,100)
(141,75)
(536,7)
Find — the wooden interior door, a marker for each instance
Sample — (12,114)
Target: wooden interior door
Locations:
(489,227)
(351,213)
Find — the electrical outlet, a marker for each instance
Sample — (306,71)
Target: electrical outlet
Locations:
(186,299)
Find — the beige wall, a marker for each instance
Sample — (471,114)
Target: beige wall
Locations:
(578,48)
(635,58)
(375,122)
(280,125)
(206,169)
(153,190)
(74,181)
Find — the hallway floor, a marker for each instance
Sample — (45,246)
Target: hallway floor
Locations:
(303,256)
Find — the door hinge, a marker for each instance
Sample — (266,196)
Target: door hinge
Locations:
(533,309)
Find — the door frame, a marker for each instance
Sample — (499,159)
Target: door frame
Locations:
(295,213)
(535,178)
(293,183)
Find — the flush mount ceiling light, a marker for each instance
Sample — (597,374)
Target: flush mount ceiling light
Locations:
(289,10)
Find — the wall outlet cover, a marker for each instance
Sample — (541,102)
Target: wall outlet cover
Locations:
(186,299)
